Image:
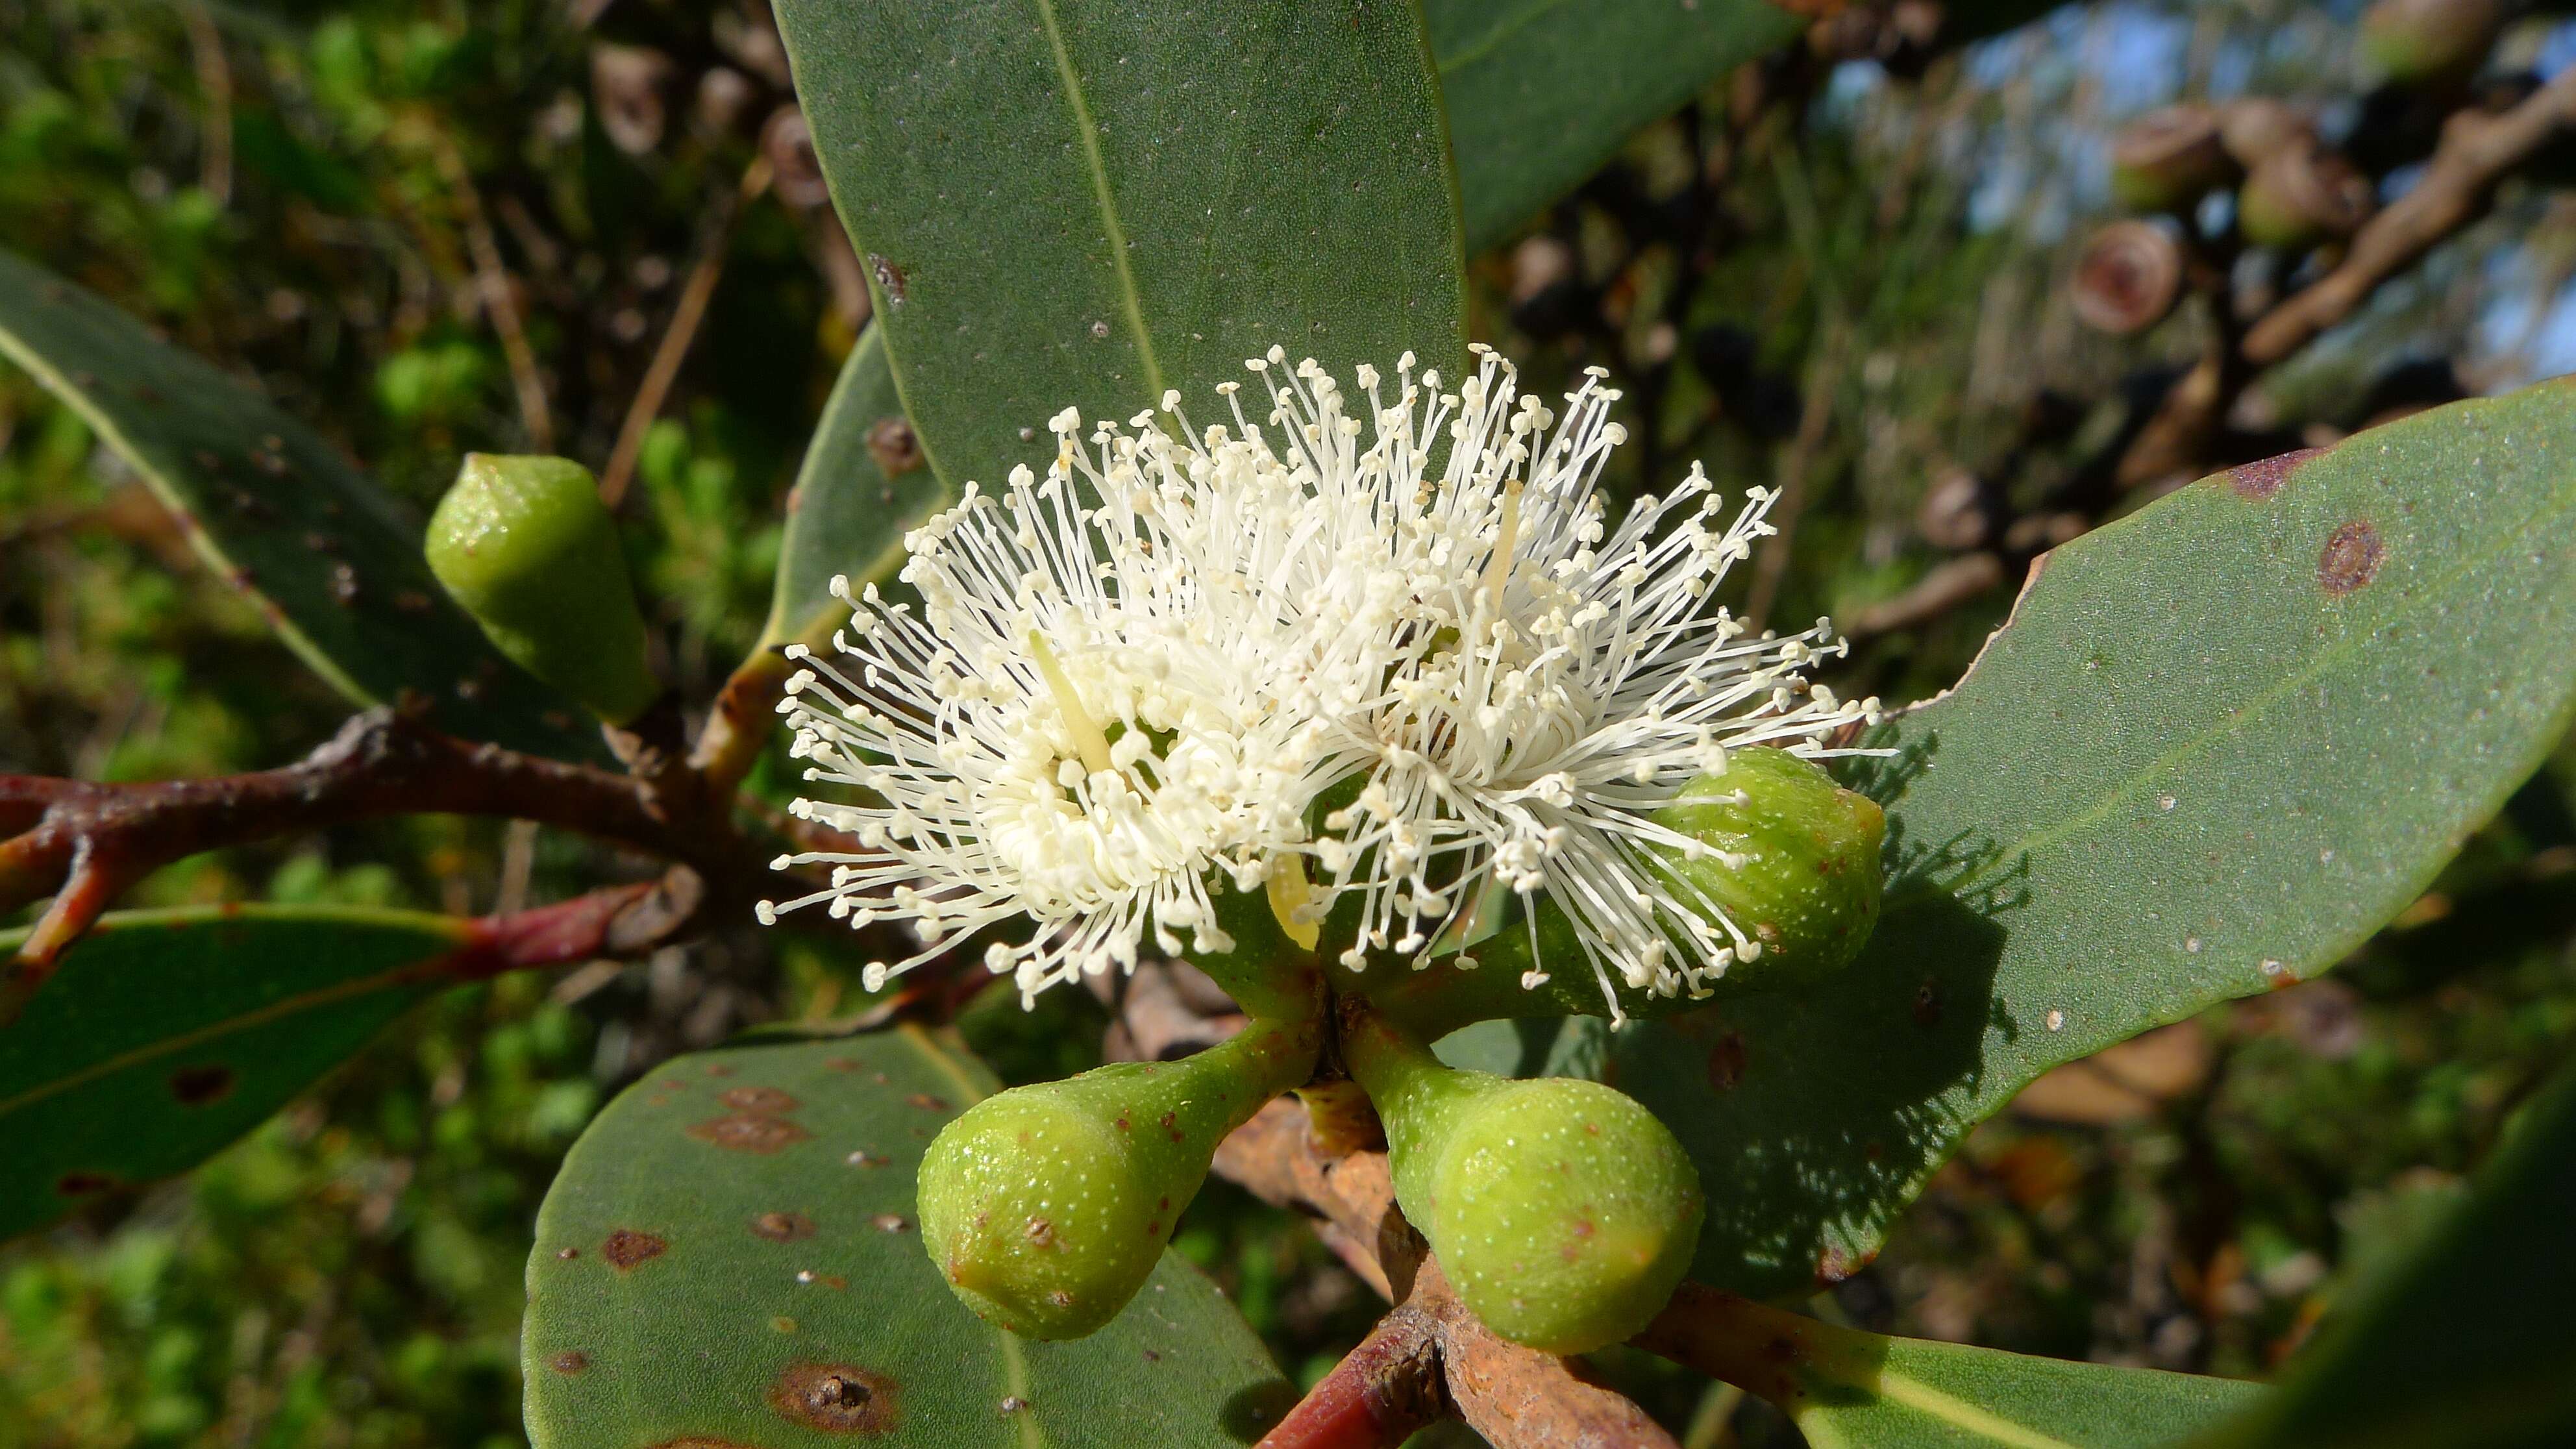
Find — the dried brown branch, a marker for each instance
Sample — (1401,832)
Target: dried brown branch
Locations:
(664,369)
(83,843)
(1763,1350)
(1951,583)
(500,297)
(1797,461)
(2475,153)
(2184,430)
(740,722)
(215,79)
(1431,1353)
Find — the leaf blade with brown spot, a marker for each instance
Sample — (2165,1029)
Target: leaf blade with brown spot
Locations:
(793,1285)
(2185,771)
(167,1034)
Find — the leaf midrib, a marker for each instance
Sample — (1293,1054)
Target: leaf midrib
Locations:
(1130,300)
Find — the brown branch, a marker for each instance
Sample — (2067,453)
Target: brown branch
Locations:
(1951,583)
(83,843)
(664,370)
(1517,1397)
(215,79)
(742,720)
(1767,1351)
(2475,153)
(500,300)
(1798,460)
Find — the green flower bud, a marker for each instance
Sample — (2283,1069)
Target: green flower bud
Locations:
(2301,195)
(1791,857)
(1046,1207)
(524,544)
(2430,44)
(1562,1211)
(2168,160)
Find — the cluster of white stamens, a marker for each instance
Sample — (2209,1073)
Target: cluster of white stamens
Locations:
(1433,632)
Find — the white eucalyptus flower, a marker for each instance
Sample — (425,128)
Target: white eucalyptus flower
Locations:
(1090,712)
(1099,704)
(1545,682)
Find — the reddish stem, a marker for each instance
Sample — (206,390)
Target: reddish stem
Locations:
(1376,1397)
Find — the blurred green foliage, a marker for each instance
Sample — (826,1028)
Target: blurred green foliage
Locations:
(1860,291)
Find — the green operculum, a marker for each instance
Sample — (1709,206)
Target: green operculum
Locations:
(524,544)
(1563,1212)
(1046,1207)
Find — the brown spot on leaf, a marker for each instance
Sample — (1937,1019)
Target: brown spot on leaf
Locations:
(207,1082)
(890,277)
(1726,1061)
(1040,1231)
(1837,1263)
(757,1099)
(718,1069)
(567,1254)
(2260,479)
(889,1222)
(843,1064)
(626,1247)
(1927,1003)
(2351,558)
(926,1102)
(838,1398)
(780,1227)
(570,1361)
(749,1132)
(1168,1124)
(84,1184)
(894,445)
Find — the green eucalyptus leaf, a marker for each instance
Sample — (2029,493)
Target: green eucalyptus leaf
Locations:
(1085,202)
(2468,1342)
(1541,92)
(1847,1389)
(863,485)
(1919,1394)
(731,1256)
(327,555)
(167,1034)
(2217,744)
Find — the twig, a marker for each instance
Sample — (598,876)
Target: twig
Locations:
(1951,583)
(742,721)
(215,78)
(84,843)
(500,302)
(2475,153)
(664,370)
(1377,1396)
(1798,461)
